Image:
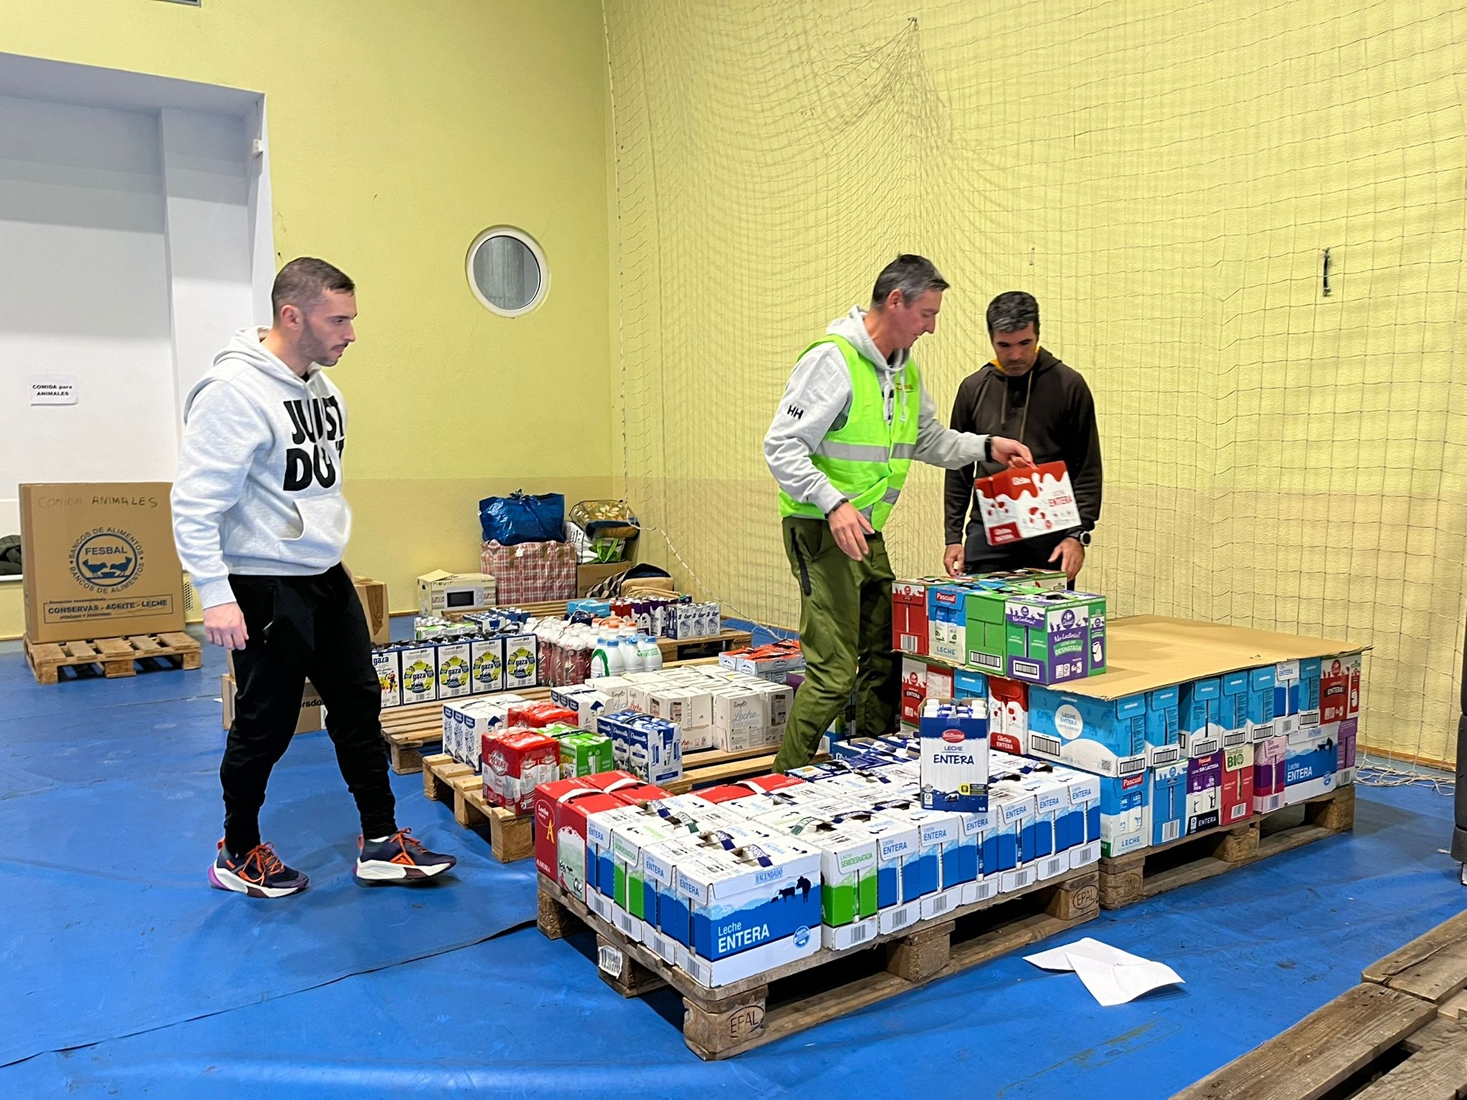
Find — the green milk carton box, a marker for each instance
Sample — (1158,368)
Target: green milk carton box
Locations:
(985,610)
(583,753)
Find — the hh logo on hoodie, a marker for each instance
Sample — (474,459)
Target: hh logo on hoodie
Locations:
(318,424)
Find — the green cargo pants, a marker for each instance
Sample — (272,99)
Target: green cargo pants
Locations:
(845,633)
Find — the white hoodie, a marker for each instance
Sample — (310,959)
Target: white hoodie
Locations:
(819,395)
(258,490)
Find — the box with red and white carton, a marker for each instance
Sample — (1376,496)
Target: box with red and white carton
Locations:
(921,680)
(1270,767)
(1008,716)
(1020,504)
(909,633)
(515,762)
(1349,732)
(1237,784)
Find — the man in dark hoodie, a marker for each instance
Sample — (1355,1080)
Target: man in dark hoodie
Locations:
(1025,393)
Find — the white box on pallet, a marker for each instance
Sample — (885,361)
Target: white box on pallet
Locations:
(419,674)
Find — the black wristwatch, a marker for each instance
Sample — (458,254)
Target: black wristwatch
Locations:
(988,449)
(1082,537)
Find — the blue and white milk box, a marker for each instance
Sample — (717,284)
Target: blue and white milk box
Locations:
(1261,704)
(896,842)
(1286,696)
(1041,840)
(1311,763)
(1103,736)
(1232,710)
(1167,802)
(1201,730)
(954,760)
(751,909)
(939,837)
(1309,686)
(965,866)
(1078,829)
(1124,817)
(1011,810)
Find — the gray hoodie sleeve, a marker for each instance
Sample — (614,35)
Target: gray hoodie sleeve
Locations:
(939,446)
(222,431)
(819,392)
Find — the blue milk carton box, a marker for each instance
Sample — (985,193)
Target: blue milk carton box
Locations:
(672,924)
(752,909)
(1103,736)
(1286,696)
(1311,763)
(1168,802)
(1124,820)
(939,836)
(1201,730)
(1078,830)
(954,760)
(1232,710)
(1011,810)
(1163,726)
(1045,842)
(1261,704)
(1309,686)
(968,684)
(965,869)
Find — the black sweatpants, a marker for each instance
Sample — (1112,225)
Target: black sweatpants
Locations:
(303,627)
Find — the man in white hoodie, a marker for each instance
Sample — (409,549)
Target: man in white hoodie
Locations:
(260,525)
(853,418)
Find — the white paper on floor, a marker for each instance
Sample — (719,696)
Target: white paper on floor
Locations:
(1113,976)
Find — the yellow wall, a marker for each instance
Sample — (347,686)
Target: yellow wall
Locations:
(399,131)
(1163,178)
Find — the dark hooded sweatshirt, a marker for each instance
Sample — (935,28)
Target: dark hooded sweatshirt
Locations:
(1051,410)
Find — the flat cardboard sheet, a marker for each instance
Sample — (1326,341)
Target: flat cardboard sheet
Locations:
(1153,651)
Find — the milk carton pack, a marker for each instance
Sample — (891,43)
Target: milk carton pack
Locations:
(1124,818)
(1311,761)
(1232,708)
(617,690)
(921,680)
(1310,677)
(1055,636)
(896,842)
(947,622)
(520,661)
(954,760)
(515,762)
(1334,690)
(751,910)
(1077,830)
(909,627)
(985,626)
(454,670)
(646,746)
(691,709)
(486,661)
(1107,737)
(848,864)
(1270,766)
(1167,802)
(419,674)
(1164,741)
(1236,803)
(560,811)
(1286,694)
(1261,705)
(1020,504)
(387,664)
(964,867)
(667,927)
(1204,792)
(1200,718)
(585,754)
(634,897)
(1046,580)
(1349,735)
(939,838)
(1011,810)
(1008,716)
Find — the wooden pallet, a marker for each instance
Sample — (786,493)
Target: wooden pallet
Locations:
(1400,1035)
(511,836)
(114,657)
(720,1023)
(1130,878)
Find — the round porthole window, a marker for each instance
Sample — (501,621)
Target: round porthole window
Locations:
(507,271)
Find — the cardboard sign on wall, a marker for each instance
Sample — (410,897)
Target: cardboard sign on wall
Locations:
(99,560)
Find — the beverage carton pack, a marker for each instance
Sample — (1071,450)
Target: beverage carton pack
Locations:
(909,627)
(1200,719)
(1311,761)
(667,926)
(946,622)
(1349,734)
(584,754)
(1054,637)
(617,690)
(454,670)
(1286,695)
(1237,784)
(541,714)
(918,678)
(419,674)
(896,842)
(646,746)
(1022,503)
(1107,737)
(1077,831)
(486,660)
(939,835)
(387,664)
(1260,705)
(1046,580)
(848,867)
(1164,744)
(1334,690)
(515,762)
(752,909)
(1310,677)
(561,809)
(1047,841)
(520,661)
(1008,716)
(1270,767)
(1125,821)
(1233,710)
(1011,810)
(954,760)
(1204,792)
(1167,801)
(634,897)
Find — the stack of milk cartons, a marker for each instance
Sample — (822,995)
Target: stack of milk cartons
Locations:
(466,721)
(715,707)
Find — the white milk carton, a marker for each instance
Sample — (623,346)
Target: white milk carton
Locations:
(1077,830)
(897,842)
(968,870)
(455,670)
(939,838)
(521,667)
(486,660)
(1042,839)
(954,760)
(1011,809)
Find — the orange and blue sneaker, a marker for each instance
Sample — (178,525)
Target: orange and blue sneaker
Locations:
(260,873)
(398,858)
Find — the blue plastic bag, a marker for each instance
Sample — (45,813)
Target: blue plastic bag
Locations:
(521,518)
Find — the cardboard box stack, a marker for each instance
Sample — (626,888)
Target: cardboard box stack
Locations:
(481,655)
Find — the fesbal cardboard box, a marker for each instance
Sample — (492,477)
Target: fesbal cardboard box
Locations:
(99,560)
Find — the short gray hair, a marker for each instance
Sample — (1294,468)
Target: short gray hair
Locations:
(913,275)
(1011,311)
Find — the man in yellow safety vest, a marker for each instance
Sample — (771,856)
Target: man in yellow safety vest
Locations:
(853,419)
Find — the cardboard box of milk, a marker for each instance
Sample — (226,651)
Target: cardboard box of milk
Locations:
(486,660)
(455,670)
(520,665)
(419,673)
(387,664)
(954,760)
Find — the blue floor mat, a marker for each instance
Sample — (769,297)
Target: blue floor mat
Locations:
(109,803)
(522,1016)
